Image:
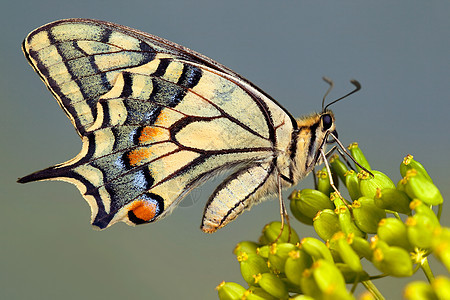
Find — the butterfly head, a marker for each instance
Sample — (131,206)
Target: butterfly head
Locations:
(313,133)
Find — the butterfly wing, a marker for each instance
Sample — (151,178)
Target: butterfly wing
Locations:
(156,119)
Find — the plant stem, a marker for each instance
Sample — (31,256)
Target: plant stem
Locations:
(439,212)
(373,290)
(355,284)
(397,215)
(427,270)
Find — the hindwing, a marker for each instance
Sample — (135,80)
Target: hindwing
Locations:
(156,120)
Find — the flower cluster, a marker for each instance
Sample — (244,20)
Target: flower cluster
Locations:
(392,226)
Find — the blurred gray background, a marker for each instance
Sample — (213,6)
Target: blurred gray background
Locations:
(398,50)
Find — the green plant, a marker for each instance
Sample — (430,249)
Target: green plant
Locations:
(394,227)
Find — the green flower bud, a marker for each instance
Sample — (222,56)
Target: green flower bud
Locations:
(295,210)
(377,243)
(392,199)
(263,240)
(272,230)
(394,261)
(368,185)
(332,245)
(422,225)
(346,252)
(335,180)
(418,186)
(278,253)
(245,246)
(338,201)
(302,297)
(338,167)
(272,285)
(301,217)
(419,290)
(350,276)
(316,249)
(297,262)
(366,295)
(352,184)
(292,288)
(249,295)
(420,229)
(251,265)
(309,202)
(263,251)
(329,279)
(401,184)
(309,285)
(230,291)
(359,156)
(409,163)
(361,246)
(297,213)
(367,214)
(326,223)
(346,222)
(441,246)
(393,232)
(257,293)
(323,182)
(421,208)
(441,287)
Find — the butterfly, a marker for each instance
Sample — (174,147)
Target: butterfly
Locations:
(157,120)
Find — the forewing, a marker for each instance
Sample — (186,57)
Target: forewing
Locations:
(79,59)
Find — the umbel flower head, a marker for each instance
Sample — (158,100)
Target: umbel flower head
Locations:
(393,227)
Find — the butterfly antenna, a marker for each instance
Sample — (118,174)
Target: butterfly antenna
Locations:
(348,154)
(330,82)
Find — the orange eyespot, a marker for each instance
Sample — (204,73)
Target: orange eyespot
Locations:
(144,210)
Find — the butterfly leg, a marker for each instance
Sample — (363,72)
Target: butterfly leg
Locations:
(328,154)
(348,154)
(283,212)
(327,166)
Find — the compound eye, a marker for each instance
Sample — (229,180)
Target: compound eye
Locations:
(327,121)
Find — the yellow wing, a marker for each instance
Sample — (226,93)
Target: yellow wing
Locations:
(156,120)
